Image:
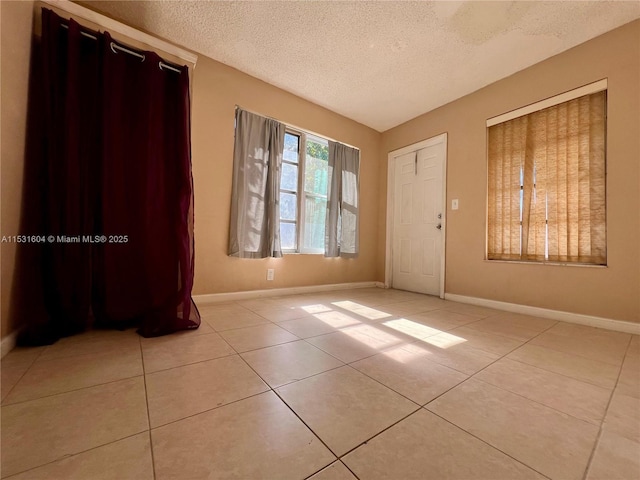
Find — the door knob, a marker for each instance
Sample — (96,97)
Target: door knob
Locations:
(439,226)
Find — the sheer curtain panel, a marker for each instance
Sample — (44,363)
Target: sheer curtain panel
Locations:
(342,220)
(254,226)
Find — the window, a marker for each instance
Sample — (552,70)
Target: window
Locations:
(546,180)
(303,192)
(281,197)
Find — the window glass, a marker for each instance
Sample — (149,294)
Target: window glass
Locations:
(315,214)
(288,236)
(291,147)
(316,166)
(289,178)
(287,206)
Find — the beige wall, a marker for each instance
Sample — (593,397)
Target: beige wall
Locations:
(612,292)
(216,90)
(15,45)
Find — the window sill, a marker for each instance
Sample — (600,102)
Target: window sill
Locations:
(549,264)
(303,253)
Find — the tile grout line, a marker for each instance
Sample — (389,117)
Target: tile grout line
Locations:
(593,451)
(348,468)
(382,384)
(192,363)
(555,349)
(522,396)
(2,404)
(236,353)
(514,349)
(586,382)
(367,321)
(65,391)
(239,354)
(146,398)
(207,410)
(295,413)
(269,388)
(524,363)
(536,402)
(304,378)
(364,442)
(72,390)
(606,411)
(350,364)
(486,443)
(356,370)
(534,366)
(266,322)
(146,395)
(339,458)
(565,353)
(384,429)
(65,457)
(69,391)
(385,386)
(472,376)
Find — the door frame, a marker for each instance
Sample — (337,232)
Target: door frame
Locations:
(391,164)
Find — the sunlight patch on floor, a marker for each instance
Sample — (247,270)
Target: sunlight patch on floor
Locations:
(411,328)
(404,355)
(337,319)
(367,312)
(318,308)
(371,336)
(444,340)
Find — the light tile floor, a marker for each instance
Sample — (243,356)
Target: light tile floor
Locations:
(363,383)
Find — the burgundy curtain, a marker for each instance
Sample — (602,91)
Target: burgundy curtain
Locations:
(117,188)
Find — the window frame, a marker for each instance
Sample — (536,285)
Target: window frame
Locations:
(301,193)
(299,165)
(595,87)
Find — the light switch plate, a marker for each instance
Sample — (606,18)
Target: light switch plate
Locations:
(270,274)
(454,204)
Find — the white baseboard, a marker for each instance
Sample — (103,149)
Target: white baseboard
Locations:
(589,320)
(8,343)
(277,292)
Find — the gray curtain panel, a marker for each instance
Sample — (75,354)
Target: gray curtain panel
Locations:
(254,227)
(342,222)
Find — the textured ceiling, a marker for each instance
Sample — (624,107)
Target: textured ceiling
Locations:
(380,63)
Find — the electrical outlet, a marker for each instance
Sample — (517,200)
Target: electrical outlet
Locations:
(270,274)
(454,204)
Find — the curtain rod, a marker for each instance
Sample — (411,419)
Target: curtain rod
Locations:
(115,46)
(78,12)
(297,128)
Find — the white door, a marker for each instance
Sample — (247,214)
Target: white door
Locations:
(418,219)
